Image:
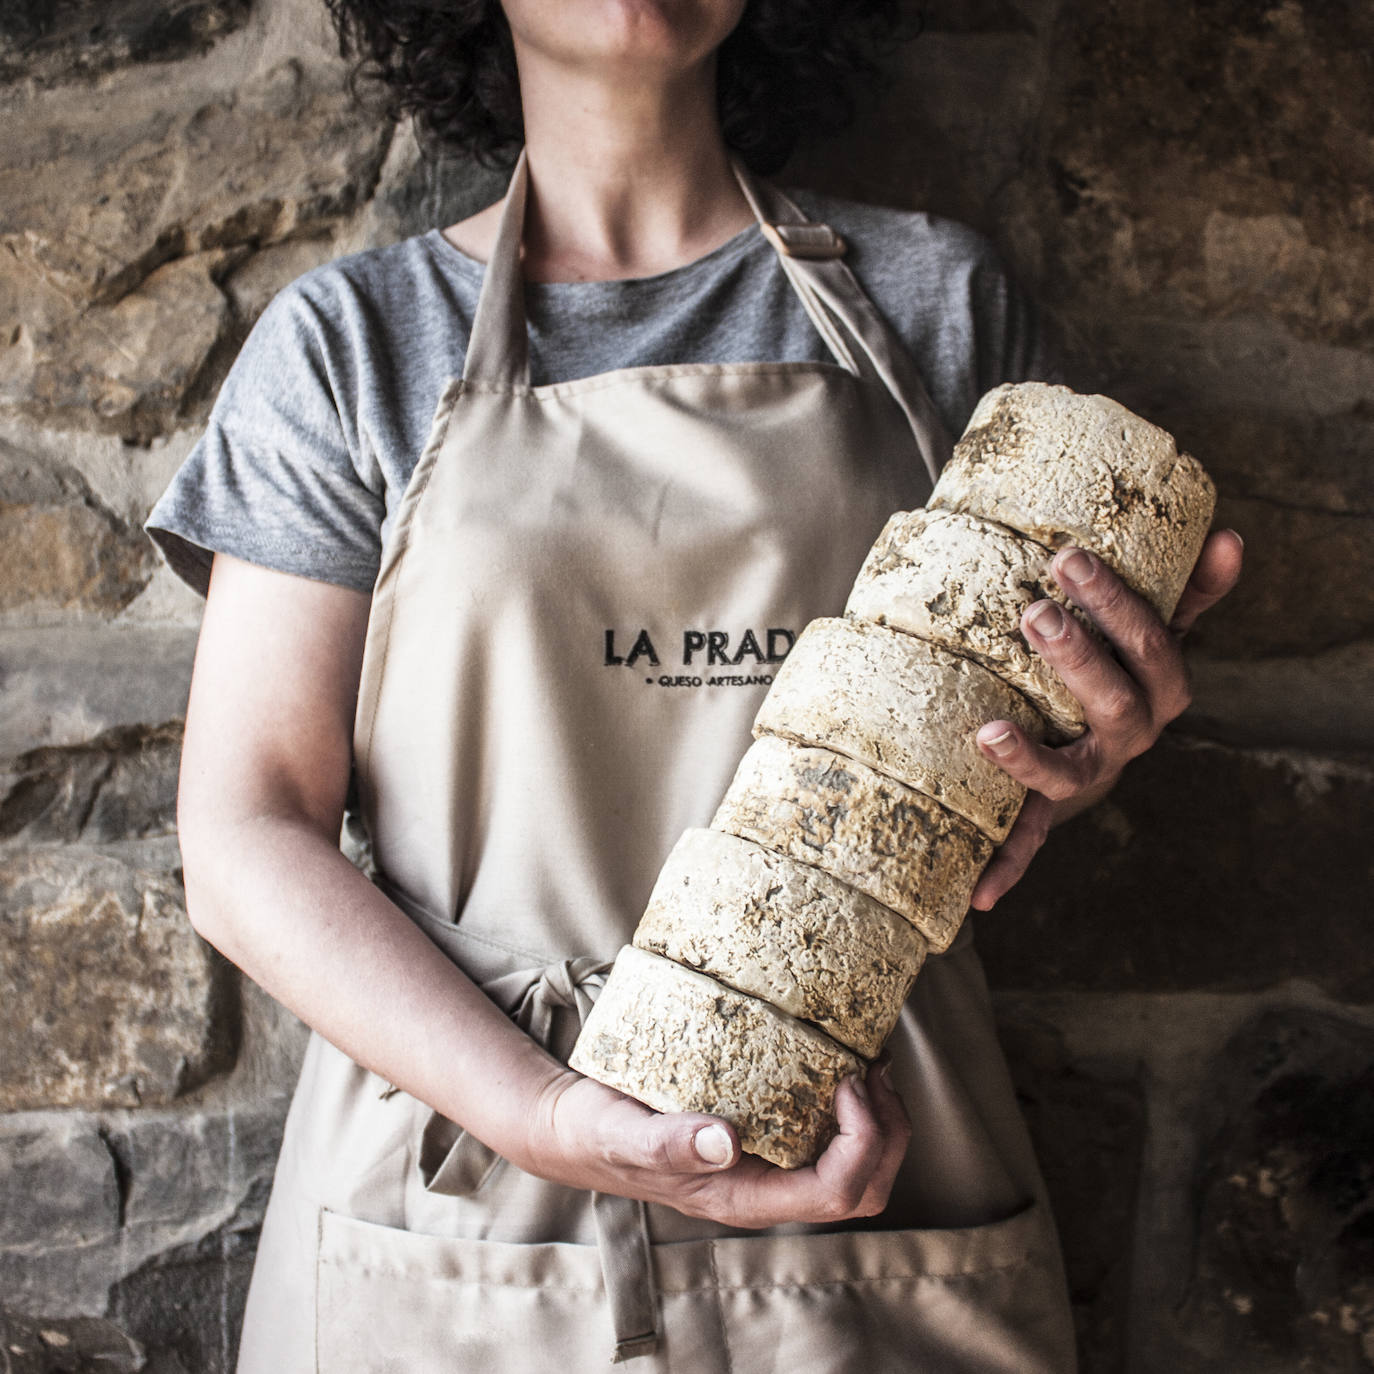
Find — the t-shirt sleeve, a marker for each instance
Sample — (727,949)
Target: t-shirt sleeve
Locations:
(1011,340)
(278,478)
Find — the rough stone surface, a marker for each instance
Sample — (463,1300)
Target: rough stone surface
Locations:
(870,831)
(128,367)
(1211,160)
(1283,1277)
(678,1041)
(1062,468)
(109,998)
(87,1203)
(903,707)
(963,583)
(785,932)
(1254,702)
(1088,1127)
(60,547)
(65,1345)
(57,40)
(186,1307)
(122,785)
(58,1187)
(1208,867)
(119,291)
(61,687)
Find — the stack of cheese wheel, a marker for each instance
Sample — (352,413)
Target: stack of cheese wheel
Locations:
(779,945)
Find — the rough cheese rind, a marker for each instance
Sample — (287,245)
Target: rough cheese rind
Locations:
(679,1041)
(1068,469)
(962,582)
(868,830)
(783,931)
(907,708)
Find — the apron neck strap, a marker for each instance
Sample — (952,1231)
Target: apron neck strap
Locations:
(498,350)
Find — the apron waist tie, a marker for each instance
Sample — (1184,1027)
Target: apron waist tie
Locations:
(454,1163)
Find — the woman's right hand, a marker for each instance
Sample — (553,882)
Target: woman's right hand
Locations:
(589,1136)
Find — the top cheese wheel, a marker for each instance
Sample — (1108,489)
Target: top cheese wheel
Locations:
(1062,469)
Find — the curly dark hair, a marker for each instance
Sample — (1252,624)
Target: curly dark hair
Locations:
(785,71)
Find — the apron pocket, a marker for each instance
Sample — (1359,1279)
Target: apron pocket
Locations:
(393,1300)
(978,1300)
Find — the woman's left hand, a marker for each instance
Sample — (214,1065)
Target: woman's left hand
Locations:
(1126,703)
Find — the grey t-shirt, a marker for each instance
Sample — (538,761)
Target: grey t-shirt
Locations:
(324,414)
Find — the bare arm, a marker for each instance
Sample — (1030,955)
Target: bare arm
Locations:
(264,775)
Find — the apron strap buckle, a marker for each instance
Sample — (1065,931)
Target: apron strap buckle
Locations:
(811,241)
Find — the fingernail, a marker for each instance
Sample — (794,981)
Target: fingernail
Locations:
(884,1071)
(1236,535)
(1000,745)
(860,1091)
(1046,619)
(712,1144)
(1078,566)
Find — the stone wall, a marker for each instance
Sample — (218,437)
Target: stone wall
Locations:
(1188,189)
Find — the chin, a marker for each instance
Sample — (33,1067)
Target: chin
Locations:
(669,34)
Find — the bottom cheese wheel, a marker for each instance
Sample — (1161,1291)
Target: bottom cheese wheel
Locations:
(784,931)
(868,830)
(679,1041)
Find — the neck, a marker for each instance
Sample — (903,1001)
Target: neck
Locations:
(626,179)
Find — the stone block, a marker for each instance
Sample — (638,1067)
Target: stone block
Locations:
(107,997)
(115,267)
(55,40)
(1210,160)
(1208,868)
(68,1345)
(58,1187)
(60,547)
(63,685)
(1283,1270)
(188,1172)
(122,785)
(187,1306)
(1305,584)
(1089,1133)
(1319,702)
(126,368)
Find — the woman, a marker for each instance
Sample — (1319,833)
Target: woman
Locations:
(499,621)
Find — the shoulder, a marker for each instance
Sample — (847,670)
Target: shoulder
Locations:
(378,289)
(945,291)
(886,241)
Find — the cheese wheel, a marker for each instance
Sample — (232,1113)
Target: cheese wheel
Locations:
(962,582)
(907,708)
(868,830)
(1068,469)
(783,931)
(679,1041)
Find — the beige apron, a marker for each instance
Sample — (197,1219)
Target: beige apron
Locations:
(587,591)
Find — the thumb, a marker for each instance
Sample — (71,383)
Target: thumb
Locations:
(687,1143)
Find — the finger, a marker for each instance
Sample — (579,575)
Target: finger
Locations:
(830,1189)
(1217,570)
(895,1126)
(848,1163)
(1010,862)
(669,1143)
(1058,773)
(1148,651)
